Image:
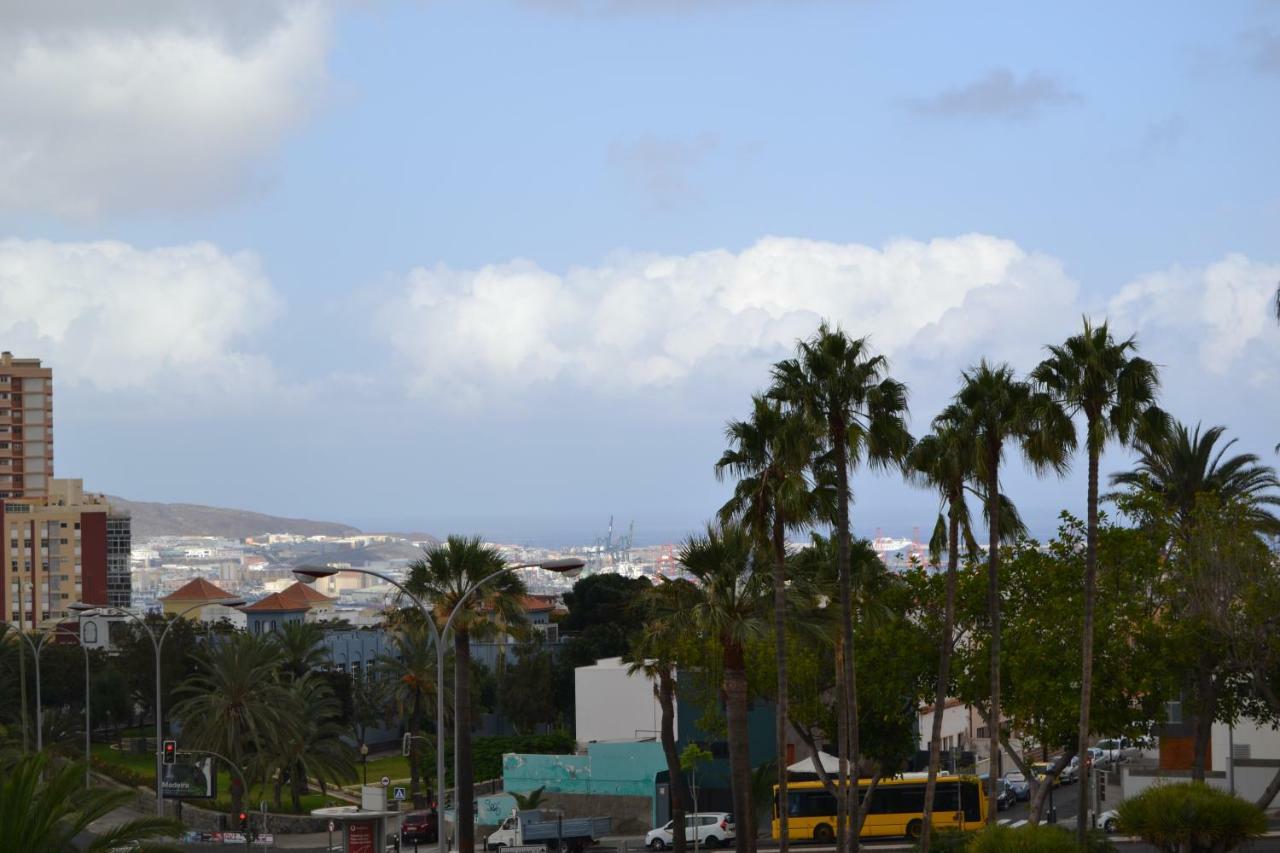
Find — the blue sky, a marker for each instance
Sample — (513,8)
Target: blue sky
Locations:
(510,266)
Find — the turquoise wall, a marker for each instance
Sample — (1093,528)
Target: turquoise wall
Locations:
(623,769)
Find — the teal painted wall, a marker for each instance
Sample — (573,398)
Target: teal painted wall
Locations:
(625,769)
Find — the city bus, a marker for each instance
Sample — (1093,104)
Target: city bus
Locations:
(896,807)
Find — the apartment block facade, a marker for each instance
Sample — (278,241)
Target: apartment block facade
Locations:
(26,427)
(60,544)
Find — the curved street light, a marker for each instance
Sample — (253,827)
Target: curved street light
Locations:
(310,574)
(37,646)
(84,609)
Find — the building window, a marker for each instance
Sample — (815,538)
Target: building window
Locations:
(91,632)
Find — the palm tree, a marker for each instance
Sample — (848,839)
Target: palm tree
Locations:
(728,605)
(1093,375)
(995,409)
(301,646)
(236,704)
(768,454)
(312,745)
(1178,472)
(45,807)
(531,800)
(655,652)
(449,574)
(1177,468)
(410,664)
(944,460)
(860,413)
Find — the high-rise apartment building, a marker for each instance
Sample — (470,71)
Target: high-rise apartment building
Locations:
(26,427)
(60,544)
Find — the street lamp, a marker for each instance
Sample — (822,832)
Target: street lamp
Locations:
(364,760)
(569,567)
(158,644)
(37,646)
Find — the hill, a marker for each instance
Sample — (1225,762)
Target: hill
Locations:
(160,519)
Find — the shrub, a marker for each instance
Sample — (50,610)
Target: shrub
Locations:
(948,841)
(1191,817)
(120,773)
(1025,839)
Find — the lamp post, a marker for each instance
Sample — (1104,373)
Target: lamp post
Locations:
(36,648)
(310,574)
(364,760)
(158,644)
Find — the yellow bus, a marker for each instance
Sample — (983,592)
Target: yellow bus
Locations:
(896,807)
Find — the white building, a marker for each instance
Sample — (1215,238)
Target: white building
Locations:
(611,705)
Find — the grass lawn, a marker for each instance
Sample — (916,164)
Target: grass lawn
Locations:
(144,763)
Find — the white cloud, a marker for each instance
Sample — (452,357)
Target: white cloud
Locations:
(999,94)
(643,322)
(154,105)
(651,320)
(115,317)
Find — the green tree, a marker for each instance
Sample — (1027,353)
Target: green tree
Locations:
(310,745)
(531,800)
(235,704)
(301,649)
(728,604)
(465,572)
(1104,381)
(769,455)
(603,618)
(655,652)
(860,415)
(178,660)
(1177,468)
(45,806)
(409,666)
(522,693)
(944,461)
(999,410)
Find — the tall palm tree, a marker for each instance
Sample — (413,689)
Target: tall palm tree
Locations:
(45,807)
(449,574)
(997,409)
(235,705)
(312,746)
(410,665)
(655,653)
(944,460)
(1179,467)
(768,455)
(860,414)
(1093,375)
(729,604)
(301,646)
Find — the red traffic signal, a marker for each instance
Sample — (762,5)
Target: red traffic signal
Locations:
(169,752)
(244,820)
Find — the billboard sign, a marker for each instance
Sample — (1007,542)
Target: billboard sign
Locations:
(360,837)
(190,779)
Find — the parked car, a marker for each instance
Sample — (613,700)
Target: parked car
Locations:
(1006,798)
(1021,787)
(419,828)
(1071,772)
(713,829)
(1109,821)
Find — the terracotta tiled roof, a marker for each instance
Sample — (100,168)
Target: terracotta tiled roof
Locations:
(277,602)
(305,592)
(197,590)
(537,603)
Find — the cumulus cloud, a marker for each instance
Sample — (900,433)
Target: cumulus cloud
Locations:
(999,94)
(150,104)
(646,321)
(115,317)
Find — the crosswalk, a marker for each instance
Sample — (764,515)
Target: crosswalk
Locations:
(1014,824)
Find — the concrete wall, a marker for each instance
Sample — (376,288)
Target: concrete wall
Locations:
(1252,775)
(618,775)
(611,705)
(1246,736)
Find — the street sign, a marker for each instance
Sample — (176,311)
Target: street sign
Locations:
(332,825)
(398,794)
(386,780)
(192,779)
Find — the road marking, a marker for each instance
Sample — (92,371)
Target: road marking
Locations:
(1017,824)
(1004,822)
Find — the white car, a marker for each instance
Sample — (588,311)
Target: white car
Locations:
(1109,821)
(712,829)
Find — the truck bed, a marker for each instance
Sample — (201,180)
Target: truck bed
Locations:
(593,828)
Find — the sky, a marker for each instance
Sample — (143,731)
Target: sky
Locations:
(509,266)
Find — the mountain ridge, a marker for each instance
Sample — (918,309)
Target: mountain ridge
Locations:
(152,519)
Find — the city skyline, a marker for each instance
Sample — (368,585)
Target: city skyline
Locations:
(396,269)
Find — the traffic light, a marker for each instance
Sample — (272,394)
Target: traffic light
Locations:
(244,821)
(406,744)
(169,752)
